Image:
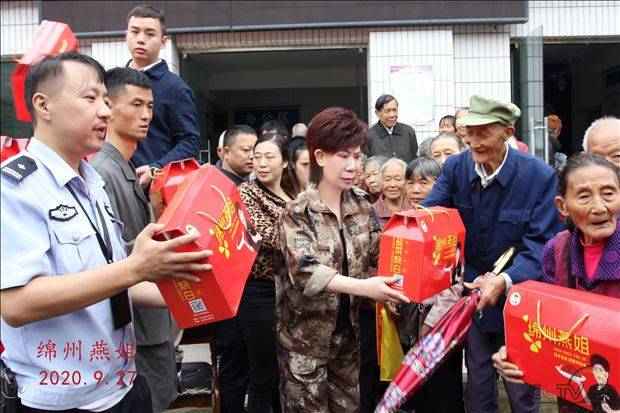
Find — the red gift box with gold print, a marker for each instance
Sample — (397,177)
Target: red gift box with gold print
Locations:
(208,202)
(566,341)
(167,180)
(426,248)
(51,38)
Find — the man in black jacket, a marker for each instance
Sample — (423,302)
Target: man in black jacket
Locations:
(173,133)
(388,137)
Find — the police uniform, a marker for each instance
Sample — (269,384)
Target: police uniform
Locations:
(318,331)
(77,360)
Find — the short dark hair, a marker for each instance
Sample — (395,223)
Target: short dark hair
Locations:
(426,168)
(449,118)
(333,130)
(116,79)
(146,10)
(582,160)
(288,182)
(279,141)
(384,100)
(297,149)
(598,359)
(274,125)
(236,130)
(50,69)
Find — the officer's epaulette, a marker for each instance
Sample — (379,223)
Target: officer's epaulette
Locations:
(19,168)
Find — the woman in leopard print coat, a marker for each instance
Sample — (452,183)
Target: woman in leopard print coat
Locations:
(265,198)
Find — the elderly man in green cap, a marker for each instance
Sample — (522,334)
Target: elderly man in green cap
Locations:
(505,199)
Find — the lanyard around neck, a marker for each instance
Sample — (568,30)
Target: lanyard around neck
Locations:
(106,249)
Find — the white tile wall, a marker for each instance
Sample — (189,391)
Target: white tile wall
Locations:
(465,59)
(429,45)
(18,23)
(571,19)
(481,63)
(113,52)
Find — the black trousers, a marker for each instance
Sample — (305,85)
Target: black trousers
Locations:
(246,346)
(371,388)
(443,392)
(137,400)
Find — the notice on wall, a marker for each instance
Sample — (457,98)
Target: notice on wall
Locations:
(414,88)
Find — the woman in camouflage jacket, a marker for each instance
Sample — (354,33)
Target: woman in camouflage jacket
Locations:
(330,239)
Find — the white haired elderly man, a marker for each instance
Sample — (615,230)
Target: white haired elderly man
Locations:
(299,130)
(602,138)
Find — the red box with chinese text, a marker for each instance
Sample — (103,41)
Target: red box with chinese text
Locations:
(565,341)
(51,38)
(426,248)
(208,202)
(11,146)
(167,180)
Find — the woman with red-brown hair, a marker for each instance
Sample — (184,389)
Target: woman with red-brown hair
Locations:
(330,239)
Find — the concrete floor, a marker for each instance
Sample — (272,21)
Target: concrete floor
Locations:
(201,352)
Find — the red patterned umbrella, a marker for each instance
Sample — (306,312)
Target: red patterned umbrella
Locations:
(429,353)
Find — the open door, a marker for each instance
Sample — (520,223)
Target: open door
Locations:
(533,125)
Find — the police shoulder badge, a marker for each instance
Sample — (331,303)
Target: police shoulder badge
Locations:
(19,168)
(62,213)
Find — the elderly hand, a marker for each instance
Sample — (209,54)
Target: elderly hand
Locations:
(491,287)
(508,371)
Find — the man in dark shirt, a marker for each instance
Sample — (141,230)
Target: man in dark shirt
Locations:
(173,134)
(237,164)
(131,102)
(388,137)
(238,153)
(505,199)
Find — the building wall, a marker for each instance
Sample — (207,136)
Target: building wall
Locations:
(571,19)
(113,52)
(429,45)
(466,59)
(18,23)
(481,62)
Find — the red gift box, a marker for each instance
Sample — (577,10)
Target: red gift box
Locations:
(166,182)
(208,202)
(11,146)
(426,248)
(51,38)
(565,341)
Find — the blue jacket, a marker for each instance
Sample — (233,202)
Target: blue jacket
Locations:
(173,132)
(516,210)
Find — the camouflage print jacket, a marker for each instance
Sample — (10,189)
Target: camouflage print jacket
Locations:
(309,237)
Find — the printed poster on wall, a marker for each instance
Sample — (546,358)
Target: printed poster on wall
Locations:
(414,88)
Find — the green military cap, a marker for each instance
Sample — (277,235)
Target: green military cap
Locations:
(483,111)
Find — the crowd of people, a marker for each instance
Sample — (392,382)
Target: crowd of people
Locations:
(79,259)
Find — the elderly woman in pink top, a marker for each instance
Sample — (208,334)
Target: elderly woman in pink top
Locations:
(588,258)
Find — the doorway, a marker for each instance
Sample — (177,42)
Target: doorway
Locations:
(258,86)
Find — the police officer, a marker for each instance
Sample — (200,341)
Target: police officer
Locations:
(65,276)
